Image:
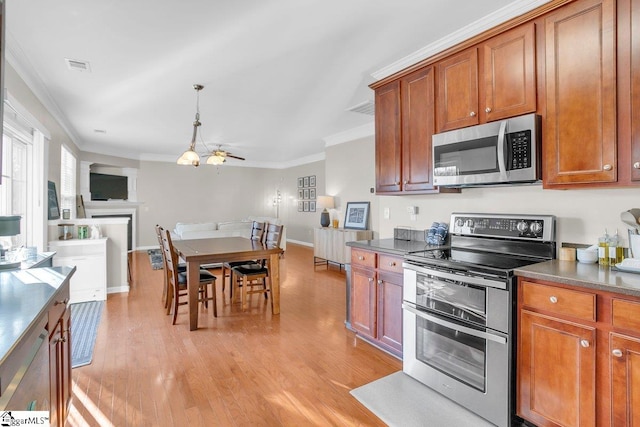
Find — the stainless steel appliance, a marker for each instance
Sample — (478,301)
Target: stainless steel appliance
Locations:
(500,152)
(459,308)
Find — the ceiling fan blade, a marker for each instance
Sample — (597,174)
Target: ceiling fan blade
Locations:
(235,157)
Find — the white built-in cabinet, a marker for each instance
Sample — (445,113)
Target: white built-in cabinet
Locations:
(329,244)
(89,283)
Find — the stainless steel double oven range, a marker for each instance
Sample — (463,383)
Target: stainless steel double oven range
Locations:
(459,308)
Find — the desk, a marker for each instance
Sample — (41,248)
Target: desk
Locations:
(222,249)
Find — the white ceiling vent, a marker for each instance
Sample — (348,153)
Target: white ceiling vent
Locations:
(77,65)
(366,107)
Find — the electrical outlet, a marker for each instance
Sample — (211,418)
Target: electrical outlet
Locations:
(386,213)
(413,210)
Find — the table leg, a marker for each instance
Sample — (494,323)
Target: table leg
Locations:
(193,282)
(274,274)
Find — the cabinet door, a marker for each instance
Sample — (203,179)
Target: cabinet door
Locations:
(89,281)
(556,371)
(65,363)
(634,159)
(56,417)
(363,301)
(509,74)
(580,127)
(388,138)
(624,354)
(390,310)
(418,126)
(458,91)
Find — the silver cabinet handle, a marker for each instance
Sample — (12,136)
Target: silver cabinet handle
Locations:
(361,258)
(379,282)
(553,299)
(392,264)
(617,352)
(405,182)
(487,110)
(370,279)
(64,301)
(472,114)
(636,165)
(584,343)
(607,167)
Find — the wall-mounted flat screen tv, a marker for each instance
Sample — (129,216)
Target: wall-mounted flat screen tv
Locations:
(107,187)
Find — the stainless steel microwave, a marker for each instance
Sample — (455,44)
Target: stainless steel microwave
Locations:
(501,152)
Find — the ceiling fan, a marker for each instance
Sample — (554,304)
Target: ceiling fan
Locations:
(219,156)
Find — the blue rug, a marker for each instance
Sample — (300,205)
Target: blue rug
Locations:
(155,258)
(85,318)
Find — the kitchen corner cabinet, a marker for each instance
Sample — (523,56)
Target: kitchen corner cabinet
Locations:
(59,327)
(376,299)
(89,283)
(580,82)
(491,81)
(629,88)
(578,356)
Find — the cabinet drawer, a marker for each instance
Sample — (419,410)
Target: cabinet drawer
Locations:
(363,258)
(98,249)
(390,263)
(561,301)
(57,308)
(626,314)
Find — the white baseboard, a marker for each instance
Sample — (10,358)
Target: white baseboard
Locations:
(117,289)
(300,242)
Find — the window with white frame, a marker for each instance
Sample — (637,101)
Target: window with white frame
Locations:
(67,180)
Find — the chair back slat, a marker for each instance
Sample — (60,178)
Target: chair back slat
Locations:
(171,256)
(257,231)
(273,236)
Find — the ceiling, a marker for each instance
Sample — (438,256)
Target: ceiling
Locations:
(278,75)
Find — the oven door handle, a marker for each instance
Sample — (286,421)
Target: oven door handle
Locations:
(454,326)
(501,148)
(473,280)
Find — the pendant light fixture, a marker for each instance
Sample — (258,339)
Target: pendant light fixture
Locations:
(190,157)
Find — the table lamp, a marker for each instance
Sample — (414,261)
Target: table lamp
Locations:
(9,226)
(325,202)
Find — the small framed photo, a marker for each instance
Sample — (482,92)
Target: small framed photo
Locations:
(306,194)
(305,182)
(300,194)
(300,182)
(312,206)
(300,206)
(312,194)
(356,216)
(305,207)
(312,181)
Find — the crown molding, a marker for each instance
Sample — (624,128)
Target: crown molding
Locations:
(242,164)
(352,134)
(495,18)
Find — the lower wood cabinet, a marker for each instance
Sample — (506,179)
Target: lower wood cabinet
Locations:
(578,356)
(60,382)
(376,299)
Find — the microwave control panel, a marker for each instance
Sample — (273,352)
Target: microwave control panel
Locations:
(519,150)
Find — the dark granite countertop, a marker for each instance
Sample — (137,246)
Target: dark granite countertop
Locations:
(589,276)
(25,296)
(392,246)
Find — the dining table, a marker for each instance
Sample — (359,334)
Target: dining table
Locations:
(196,252)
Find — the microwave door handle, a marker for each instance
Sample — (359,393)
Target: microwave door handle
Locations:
(502,147)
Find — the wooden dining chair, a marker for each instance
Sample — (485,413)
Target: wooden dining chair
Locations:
(257,234)
(178,280)
(256,274)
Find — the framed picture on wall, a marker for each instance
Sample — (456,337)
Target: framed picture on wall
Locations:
(312,181)
(356,216)
(306,194)
(312,194)
(305,181)
(300,206)
(300,194)
(305,206)
(53,211)
(312,206)
(300,182)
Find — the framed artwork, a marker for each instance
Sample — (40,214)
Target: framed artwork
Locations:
(306,194)
(312,194)
(53,211)
(300,206)
(300,182)
(312,206)
(305,207)
(312,181)
(356,216)
(305,181)
(300,193)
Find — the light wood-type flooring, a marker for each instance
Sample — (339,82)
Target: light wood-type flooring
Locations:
(241,369)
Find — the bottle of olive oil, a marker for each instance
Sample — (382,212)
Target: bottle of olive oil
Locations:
(603,250)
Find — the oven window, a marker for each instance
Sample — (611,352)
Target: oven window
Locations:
(452,299)
(466,158)
(457,354)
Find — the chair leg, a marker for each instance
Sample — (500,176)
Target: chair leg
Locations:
(214,299)
(244,295)
(175,306)
(205,296)
(169,302)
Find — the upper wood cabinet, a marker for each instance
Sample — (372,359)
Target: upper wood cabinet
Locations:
(405,123)
(579,134)
(507,76)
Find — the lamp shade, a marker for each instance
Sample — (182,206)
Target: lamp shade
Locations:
(9,225)
(325,202)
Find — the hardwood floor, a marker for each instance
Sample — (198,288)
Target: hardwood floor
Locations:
(241,369)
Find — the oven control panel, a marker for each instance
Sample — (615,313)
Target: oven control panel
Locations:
(527,227)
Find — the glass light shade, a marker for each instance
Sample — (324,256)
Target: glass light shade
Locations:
(189,158)
(215,160)
(325,202)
